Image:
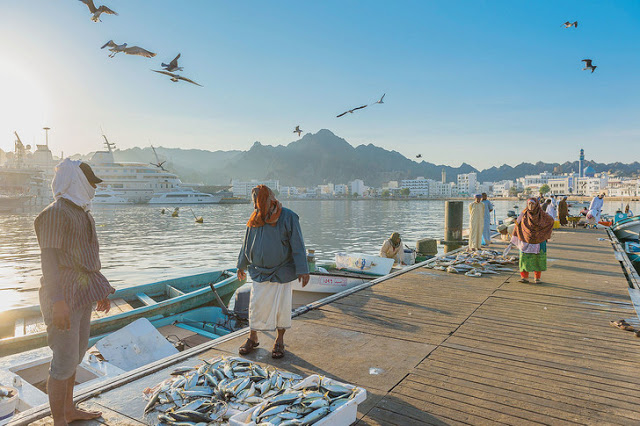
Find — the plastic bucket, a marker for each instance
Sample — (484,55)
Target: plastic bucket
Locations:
(556,224)
(8,406)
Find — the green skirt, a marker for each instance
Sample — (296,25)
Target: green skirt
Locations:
(534,262)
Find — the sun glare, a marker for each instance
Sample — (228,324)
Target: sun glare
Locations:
(25,106)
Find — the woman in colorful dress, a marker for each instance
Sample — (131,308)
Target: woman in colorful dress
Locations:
(533,229)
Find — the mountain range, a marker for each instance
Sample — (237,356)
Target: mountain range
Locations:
(324,157)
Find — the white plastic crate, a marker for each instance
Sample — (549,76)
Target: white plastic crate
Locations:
(344,415)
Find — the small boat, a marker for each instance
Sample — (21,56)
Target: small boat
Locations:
(331,280)
(23,329)
(184,196)
(627,229)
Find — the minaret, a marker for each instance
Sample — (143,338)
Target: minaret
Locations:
(581,164)
(444,176)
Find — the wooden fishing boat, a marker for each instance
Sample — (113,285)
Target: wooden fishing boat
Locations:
(627,229)
(23,329)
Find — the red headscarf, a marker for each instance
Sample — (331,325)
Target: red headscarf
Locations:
(534,226)
(268,208)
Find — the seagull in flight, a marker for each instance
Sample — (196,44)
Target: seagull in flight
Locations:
(419,156)
(298,131)
(380,101)
(133,50)
(175,77)
(351,111)
(173,65)
(159,163)
(97,11)
(570,24)
(588,66)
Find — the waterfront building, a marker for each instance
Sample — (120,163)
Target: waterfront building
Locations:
(289,191)
(502,188)
(619,187)
(340,189)
(535,182)
(357,187)
(243,188)
(418,187)
(486,187)
(467,184)
(563,185)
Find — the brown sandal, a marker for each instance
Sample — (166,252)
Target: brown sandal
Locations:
(278,350)
(248,347)
(622,325)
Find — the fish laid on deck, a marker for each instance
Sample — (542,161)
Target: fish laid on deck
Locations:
(475,264)
(215,391)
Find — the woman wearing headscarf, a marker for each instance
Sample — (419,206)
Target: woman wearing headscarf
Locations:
(274,252)
(533,229)
(563,211)
(392,248)
(550,208)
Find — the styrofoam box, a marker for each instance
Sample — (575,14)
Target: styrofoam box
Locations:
(344,415)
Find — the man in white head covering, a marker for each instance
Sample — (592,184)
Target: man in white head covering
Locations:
(71,282)
(476,222)
(595,209)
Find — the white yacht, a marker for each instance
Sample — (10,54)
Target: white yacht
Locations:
(135,182)
(185,196)
(109,196)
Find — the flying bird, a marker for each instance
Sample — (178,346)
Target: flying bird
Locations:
(351,111)
(298,131)
(159,163)
(380,101)
(97,11)
(588,66)
(419,156)
(173,65)
(133,50)
(570,24)
(175,77)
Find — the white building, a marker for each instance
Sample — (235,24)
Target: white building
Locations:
(243,189)
(592,185)
(325,190)
(357,187)
(563,185)
(534,182)
(486,187)
(467,183)
(340,189)
(623,187)
(502,188)
(418,187)
(289,191)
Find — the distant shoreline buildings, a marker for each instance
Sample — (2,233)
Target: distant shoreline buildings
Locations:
(585,182)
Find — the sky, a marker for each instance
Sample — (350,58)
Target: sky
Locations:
(481,82)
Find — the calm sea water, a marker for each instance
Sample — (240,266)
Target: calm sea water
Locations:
(140,245)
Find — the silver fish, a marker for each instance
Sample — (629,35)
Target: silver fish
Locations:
(315,416)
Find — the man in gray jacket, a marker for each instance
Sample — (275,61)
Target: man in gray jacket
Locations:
(274,252)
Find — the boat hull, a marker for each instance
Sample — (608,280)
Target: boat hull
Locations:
(329,283)
(627,229)
(182,294)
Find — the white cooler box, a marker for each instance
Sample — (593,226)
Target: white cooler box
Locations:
(344,415)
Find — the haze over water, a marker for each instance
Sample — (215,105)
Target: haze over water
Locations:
(138,245)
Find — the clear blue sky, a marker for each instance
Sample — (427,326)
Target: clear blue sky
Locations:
(482,82)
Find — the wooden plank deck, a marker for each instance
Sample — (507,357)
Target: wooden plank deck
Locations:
(438,348)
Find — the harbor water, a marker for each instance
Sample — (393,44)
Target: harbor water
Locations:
(140,245)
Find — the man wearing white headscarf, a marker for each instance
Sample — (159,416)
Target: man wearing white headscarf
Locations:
(595,209)
(476,222)
(71,282)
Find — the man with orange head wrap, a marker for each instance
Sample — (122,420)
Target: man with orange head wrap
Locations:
(274,252)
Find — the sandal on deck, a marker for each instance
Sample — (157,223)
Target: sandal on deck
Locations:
(523,280)
(622,325)
(248,347)
(278,350)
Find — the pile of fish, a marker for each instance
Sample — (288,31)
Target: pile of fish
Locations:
(214,391)
(5,394)
(475,264)
(303,406)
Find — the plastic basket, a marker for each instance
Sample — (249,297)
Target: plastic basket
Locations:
(344,415)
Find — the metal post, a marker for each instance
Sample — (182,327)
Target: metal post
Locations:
(46,132)
(453,211)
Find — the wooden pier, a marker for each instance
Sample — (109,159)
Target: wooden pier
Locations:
(438,348)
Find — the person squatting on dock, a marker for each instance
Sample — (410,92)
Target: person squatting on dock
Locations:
(392,249)
(273,251)
(71,282)
(476,223)
(533,229)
